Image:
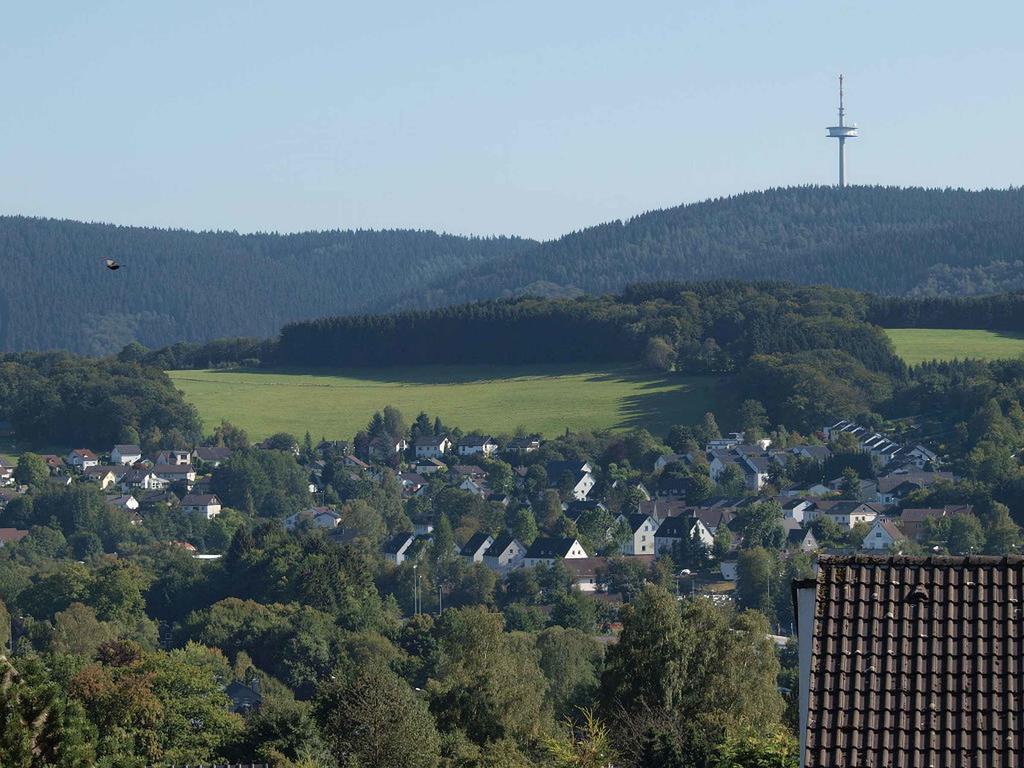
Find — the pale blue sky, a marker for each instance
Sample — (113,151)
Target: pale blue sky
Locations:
(533,118)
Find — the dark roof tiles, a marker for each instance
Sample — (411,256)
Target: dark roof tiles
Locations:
(917,663)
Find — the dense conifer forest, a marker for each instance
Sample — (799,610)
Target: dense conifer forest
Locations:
(174,285)
(179,286)
(880,239)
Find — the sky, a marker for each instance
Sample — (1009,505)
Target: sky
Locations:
(528,118)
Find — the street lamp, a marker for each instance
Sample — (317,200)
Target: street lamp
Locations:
(688,574)
(415,590)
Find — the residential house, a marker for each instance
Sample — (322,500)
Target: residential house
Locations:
(881,448)
(353,462)
(106,476)
(471,445)
(54,463)
(729,570)
(816,453)
(546,550)
(884,535)
(586,573)
(670,458)
(914,519)
(384,447)
(6,472)
(212,456)
(910,662)
(754,468)
(817,490)
(796,508)
(340,447)
(843,425)
(243,698)
(205,504)
(429,466)
(641,534)
(317,517)
(865,490)
(11,536)
(887,451)
(725,443)
(175,458)
(504,554)
(662,508)
(413,484)
(523,445)
(675,530)
(123,501)
(476,486)
(899,484)
(798,537)
(175,473)
(845,513)
(397,546)
(713,517)
(144,479)
(921,456)
(474,549)
(82,458)
(7,495)
(671,487)
(125,454)
(468,470)
(580,477)
(575,509)
(432,446)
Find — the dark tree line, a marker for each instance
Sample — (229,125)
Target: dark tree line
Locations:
(711,327)
(999,312)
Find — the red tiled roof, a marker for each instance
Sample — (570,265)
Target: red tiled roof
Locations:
(917,663)
(11,535)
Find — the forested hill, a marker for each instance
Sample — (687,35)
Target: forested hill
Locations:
(177,285)
(192,287)
(880,239)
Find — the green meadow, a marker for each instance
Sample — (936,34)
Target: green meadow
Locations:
(541,398)
(919,345)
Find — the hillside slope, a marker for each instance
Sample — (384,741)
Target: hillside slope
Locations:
(881,239)
(178,285)
(186,286)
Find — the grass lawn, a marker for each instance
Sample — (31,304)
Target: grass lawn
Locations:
(919,345)
(546,399)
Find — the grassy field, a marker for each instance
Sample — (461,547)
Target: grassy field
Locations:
(919,345)
(546,399)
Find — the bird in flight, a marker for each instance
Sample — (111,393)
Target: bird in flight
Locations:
(112,265)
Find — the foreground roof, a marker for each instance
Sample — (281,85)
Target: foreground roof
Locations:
(916,663)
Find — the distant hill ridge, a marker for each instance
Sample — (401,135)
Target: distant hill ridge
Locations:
(185,286)
(885,240)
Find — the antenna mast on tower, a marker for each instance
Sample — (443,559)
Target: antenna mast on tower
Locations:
(842,132)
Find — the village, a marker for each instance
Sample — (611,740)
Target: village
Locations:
(692,510)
